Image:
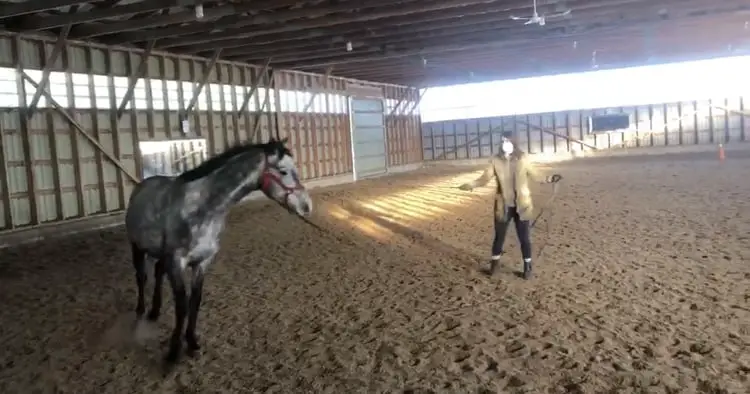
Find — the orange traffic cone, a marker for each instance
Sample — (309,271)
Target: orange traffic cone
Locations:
(721,152)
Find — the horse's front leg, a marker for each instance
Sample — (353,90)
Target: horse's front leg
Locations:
(196,294)
(174,273)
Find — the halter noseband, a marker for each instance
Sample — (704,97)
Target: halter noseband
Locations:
(268,177)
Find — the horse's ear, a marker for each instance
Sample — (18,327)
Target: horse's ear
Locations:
(284,140)
(271,140)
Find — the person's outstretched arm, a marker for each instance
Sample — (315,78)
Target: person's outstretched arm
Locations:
(483,179)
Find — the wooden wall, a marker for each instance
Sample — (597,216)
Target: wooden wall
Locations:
(715,121)
(78,153)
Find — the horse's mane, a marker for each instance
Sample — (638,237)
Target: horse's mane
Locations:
(215,162)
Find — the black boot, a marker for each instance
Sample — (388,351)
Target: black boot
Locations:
(527,269)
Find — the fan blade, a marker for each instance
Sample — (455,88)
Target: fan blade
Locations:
(530,21)
(516,18)
(559,14)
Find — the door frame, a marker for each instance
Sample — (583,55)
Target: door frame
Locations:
(350,101)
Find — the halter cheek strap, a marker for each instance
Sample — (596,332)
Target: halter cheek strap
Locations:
(268,177)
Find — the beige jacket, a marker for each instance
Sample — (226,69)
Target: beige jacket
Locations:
(525,171)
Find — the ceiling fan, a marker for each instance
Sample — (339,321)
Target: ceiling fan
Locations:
(540,20)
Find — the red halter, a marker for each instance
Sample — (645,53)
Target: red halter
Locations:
(268,177)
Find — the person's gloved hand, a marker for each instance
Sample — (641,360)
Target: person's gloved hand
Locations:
(555,178)
(466,187)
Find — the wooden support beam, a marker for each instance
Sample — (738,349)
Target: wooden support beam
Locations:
(256,120)
(468,143)
(50,22)
(4,188)
(234,11)
(451,22)
(400,102)
(403,100)
(10,10)
(545,130)
(276,112)
(81,130)
(56,51)
(416,103)
(315,94)
(675,33)
(253,88)
(23,125)
(206,75)
(295,20)
(139,73)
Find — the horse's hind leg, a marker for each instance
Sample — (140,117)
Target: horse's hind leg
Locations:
(173,270)
(155,311)
(139,262)
(196,294)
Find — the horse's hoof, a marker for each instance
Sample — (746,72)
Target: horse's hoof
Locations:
(172,356)
(192,341)
(193,352)
(167,368)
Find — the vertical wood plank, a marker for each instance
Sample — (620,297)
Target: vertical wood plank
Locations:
(711,126)
(4,183)
(222,110)
(742,119)
(25,136)
(134,132)
(234,105)
(52,140)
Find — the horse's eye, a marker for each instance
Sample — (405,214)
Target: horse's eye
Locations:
(283,173)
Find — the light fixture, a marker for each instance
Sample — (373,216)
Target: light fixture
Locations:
(575,44)
(349,46)
(199,11)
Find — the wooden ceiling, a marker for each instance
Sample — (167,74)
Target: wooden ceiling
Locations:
(410,42)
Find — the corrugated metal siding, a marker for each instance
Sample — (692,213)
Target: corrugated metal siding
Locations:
(683,123)
(54,173)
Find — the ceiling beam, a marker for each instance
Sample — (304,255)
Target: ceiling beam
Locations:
(392,16)
(396,35)
(210,18)
(10,10)
(710,25)
(519,69)
(49,22)
(376,44)
(384,9)
(478,61)
(301,32)
(463,16)
(233,21)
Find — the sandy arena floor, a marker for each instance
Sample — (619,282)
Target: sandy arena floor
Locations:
(642,287)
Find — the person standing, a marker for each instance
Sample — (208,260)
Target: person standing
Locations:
(512,170)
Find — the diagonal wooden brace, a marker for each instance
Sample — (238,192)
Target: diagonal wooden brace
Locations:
(268,86)
(80,129)
(203,82)
(326,78)
(56,51)
(139,73)
(254,88)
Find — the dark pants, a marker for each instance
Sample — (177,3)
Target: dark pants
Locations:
(522,229)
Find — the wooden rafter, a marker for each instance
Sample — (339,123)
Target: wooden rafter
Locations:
(462,39)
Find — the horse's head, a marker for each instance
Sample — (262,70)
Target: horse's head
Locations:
(280,181)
